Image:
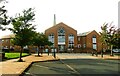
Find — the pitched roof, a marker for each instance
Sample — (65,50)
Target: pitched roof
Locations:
(84,33)
(61,23)
(7,36)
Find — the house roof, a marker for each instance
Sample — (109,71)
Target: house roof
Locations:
(7,36)
(61,23)
(84,33)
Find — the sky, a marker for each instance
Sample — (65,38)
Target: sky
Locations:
(82,15)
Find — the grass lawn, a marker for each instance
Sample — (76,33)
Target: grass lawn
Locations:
(14,55)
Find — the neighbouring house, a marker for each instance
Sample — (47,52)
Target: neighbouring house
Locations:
(89,41)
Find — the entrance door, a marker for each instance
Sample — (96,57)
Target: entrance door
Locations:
(61,48)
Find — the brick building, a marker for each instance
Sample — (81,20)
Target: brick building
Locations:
(6,44)
(62,36)
(65,38)
(89,41)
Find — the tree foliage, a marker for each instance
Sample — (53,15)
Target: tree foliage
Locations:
(4,19)
(104,33)
(40,40)
(23,28)
(109,35)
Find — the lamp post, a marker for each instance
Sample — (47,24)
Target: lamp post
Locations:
(54,53)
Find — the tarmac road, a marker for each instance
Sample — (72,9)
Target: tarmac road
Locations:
(75,66)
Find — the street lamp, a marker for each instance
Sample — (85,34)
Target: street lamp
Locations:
(54,52)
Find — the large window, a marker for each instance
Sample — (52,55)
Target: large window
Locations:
(94,39)
(94,46)
(51,38)
(94,42)
(61,36)
(71,41)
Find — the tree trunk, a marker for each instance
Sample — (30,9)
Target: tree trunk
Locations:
(102,51)
(48,51)
(38,50)
(20,58)
(111,51)
(42,48)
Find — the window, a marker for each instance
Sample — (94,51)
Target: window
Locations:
(84,45)
(94,42)
(94,46)
(61,36)
(94,39)
(78,38)
(51,38)
(71,41)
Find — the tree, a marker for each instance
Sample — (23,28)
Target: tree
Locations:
(103,36)
(109,36)
(4,19)
(40,40)
(116,38)
(23,29)
(117,42)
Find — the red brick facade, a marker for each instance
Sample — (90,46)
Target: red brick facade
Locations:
(84,42)
(68,30)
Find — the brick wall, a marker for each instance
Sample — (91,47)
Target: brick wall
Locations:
(68,31)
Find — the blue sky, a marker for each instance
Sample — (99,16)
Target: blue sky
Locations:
(82,15)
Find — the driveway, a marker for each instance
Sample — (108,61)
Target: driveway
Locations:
(75,64)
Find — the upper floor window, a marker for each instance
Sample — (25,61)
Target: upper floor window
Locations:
(51,38)
(71,41)
(94,39)
(78,38)
(71,38)
(61,35)
(61,31)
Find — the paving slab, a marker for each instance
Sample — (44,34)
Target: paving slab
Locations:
(14,68)
(86,56)
(115,57)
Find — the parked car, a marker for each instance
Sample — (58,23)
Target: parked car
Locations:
(116,50)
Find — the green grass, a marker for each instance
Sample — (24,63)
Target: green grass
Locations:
(14,55)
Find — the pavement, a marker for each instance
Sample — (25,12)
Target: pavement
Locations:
(14,68)
(108,57)
(86,56)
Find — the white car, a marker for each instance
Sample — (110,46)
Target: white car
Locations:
(116,50)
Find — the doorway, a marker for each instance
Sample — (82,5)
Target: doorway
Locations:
(61,48)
